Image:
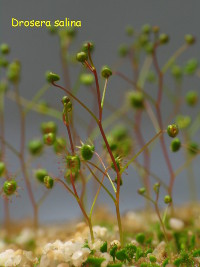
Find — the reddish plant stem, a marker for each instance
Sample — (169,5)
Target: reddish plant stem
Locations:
(158,103)
(22,159)
(69,134)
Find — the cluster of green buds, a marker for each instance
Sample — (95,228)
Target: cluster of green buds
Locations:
(5,50)
(119,141)
(73,165)
(67,108)
(13,72)
(82,56)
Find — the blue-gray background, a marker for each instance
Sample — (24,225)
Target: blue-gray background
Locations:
(104,23)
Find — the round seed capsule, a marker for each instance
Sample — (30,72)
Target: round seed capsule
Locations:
(40,174)
(48,127)
(81,56)
(2,168)
(167,199)
(52,77)
(172,130)
(190,39)
(136,99)
(191,98)
(163,38)
(10,187)
(13,72)
(49,139)
(5,49)
(175,145)
(106,72)
(87,45)
(87,151)
(73,163)
(142,190)
(146,28)
(35,147)
(49,182)
(67,104)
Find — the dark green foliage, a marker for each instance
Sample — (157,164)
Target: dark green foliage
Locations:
(94,262)
(139,254)
(181,240)
(104,247)
(140,238)
(115,265)
(152,258)
(130,251)
(165,262)
(121,255)
(196,253)
(113,251)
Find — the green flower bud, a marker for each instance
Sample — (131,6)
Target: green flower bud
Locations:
(35,147)
(86,79)
(163,38)
(49,139)
(172,130)
(67,103)
(146,28)
(10,187)
(5,49)
(136,99)
(13,72)
(106,72)
(191,98)
(156,188)
(183,121)
(193,148)
(48,127)
(73,163)
(190,39)
(118,162)
(176,71)
(129,30)
(2,168)
(3,87)
(87,151)
(123,50)
(175,145)
(85,46)
(119,133)
(191,66)
(142,190)
(81,56)
(40,174)
(155,29)
(49,182)
(3,62)
(52,77)
(59,145)
(167,199)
